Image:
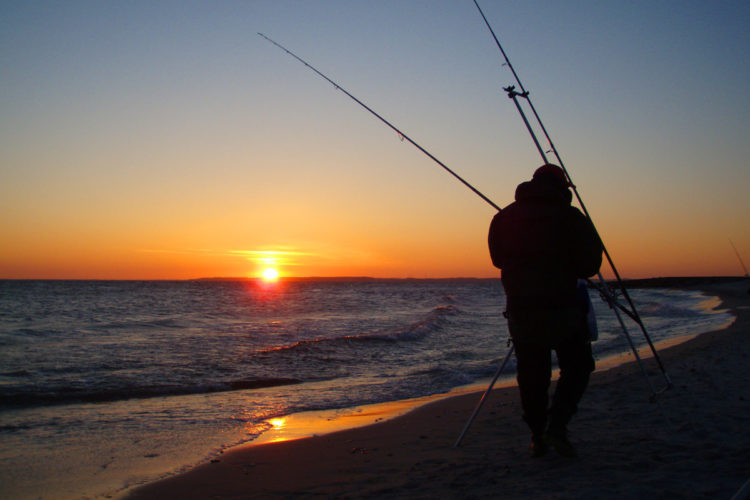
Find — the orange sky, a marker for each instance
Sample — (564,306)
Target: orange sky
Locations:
(189,146)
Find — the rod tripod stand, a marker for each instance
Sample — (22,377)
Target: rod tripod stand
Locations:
(607,293)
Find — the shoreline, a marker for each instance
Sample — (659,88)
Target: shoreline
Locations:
(315,423)
(617,432)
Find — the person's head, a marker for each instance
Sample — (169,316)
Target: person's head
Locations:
(551,174)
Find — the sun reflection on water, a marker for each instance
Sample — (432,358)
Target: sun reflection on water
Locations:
(277,423)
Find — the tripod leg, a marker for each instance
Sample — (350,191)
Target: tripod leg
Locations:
(484,396)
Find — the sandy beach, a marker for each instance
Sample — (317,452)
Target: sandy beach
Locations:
(697,447)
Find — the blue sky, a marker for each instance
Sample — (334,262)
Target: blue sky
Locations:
(136,131)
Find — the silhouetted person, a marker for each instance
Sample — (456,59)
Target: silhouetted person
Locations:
(543,246)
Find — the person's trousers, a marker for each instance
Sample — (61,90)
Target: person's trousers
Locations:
(534,368)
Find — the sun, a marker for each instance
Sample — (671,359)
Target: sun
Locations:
(270,274)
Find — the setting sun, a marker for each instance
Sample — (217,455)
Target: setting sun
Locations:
(270,274)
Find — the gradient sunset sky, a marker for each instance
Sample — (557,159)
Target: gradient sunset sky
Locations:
(167,140)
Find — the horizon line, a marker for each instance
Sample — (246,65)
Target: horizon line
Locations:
(369,278)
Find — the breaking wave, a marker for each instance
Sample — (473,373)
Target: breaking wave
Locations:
(22,397)
(414,332)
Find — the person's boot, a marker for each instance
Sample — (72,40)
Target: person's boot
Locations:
(539,446)
(558,439)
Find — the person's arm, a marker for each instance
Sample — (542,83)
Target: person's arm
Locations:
(494,240)
(588,246)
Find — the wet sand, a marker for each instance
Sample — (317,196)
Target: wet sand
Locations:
(694,444)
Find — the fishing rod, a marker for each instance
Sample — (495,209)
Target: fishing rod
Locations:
(603,287)
(399,132)
(454,174)
(606,293)
(742,263)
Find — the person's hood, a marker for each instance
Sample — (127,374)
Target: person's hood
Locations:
(534,190)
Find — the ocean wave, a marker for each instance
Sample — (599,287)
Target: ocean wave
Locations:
(413,332)
(143,323)
(15,373)
(667,310)
(32,396)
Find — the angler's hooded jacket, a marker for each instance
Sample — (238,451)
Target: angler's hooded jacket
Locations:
(543,246)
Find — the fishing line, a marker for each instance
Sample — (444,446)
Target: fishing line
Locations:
(402,135)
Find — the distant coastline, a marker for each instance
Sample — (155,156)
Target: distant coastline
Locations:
(346,278)
(659,282)
(680,281)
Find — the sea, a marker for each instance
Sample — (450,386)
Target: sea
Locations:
(107,385)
